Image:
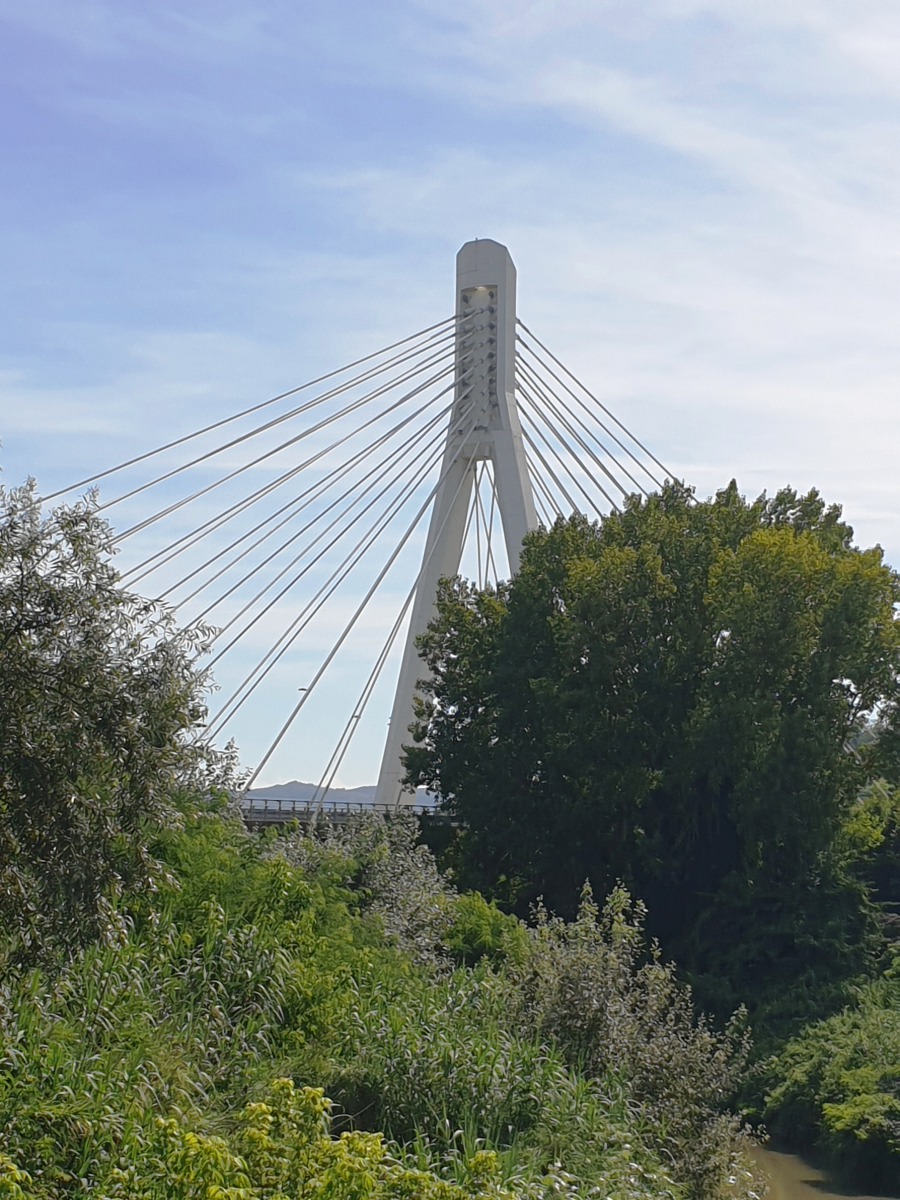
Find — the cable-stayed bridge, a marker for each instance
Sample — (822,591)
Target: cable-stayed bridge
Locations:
(314,525)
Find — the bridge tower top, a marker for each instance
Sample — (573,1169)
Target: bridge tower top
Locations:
(484,424)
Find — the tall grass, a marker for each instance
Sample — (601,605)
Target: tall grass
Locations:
(449,1036)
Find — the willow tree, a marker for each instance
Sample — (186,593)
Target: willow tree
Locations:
(98,695)
(672,697)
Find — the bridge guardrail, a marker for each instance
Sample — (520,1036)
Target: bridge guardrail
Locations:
(275,811)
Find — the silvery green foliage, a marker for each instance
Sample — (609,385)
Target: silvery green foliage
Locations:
(590,988)
(409,895)
(218,773)
(397,880)
(100,694)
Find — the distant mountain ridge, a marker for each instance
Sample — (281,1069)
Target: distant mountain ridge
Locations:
(296,790)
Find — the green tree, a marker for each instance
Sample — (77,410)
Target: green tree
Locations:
(98,691)
(668,697)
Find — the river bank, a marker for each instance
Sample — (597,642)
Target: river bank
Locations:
(794,1178)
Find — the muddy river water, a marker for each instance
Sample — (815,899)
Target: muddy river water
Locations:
(792,1178)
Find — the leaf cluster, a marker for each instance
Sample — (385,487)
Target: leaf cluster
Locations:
(98,691)
(837,1086)
(672,697)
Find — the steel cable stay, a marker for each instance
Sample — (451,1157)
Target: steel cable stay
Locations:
(555,508)
(532,361)
(232,705)
(343,744)
(543,498)
(334,764)
(470,515)
(601,405)
(446,352)
(562,451)
(348,628)
(380,468)
(469,518)
(489,526)
(544,516)
(357,497)
(553,423)
(244,413)
(298,557)
(557,403)
(299,623)
(190,539)
(289,635)
(534,420)
(322,424)
(317,490)
(297,503)
(476,507)
(535,449)
(387,514)
(486,558)
(484,548)
(313,492)
(541,513)
(557,409)
(296,578)
(476,522)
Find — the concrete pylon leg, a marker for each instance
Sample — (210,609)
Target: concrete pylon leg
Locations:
(484,423)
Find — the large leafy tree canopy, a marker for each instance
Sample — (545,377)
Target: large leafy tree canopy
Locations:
(98,692)
(672,698)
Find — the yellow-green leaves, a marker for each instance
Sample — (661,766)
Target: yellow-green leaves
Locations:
(669,697)
(283,1150)
(15,1184)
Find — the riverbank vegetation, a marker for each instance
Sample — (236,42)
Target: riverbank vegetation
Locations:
(699,698)
(294,1016)
(692,706)
(191,1011)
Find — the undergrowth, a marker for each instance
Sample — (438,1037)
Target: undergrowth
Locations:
(465,1054)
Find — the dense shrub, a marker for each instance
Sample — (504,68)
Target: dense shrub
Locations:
(148,1066)
(613,1011)
(240,965)
(581,997)
(837,1086)
(444,1067)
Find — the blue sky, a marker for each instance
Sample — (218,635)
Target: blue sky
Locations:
(205,203)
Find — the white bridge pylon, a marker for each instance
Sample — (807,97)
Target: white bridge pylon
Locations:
(484,424)
(277,530)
